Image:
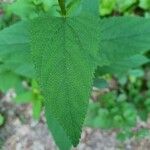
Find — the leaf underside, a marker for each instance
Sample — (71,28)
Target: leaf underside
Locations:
(63,51)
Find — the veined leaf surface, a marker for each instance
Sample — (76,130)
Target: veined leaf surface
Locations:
(63,51)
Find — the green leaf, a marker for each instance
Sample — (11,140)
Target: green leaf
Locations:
(124,135)
(15,49)
(91,7)
(22,8)
(136,73)
(58,133)
(142,133)
(9,80)
(37,107)
(73,7)
(106,7)
(63,51)
(25,97)
(14,39)
(121,67)
(123,37)
(144,4)
(100,83)
(1,120)
(124,5)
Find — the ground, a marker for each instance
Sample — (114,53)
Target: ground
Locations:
(21,132)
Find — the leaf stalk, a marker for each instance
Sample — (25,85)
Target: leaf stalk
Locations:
(62,6)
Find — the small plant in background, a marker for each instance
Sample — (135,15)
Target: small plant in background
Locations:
(112,112)
(122,109)
(1,120)
(138,92)
(33,96)
(126,7)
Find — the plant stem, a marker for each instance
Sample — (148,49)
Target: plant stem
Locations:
(62,6)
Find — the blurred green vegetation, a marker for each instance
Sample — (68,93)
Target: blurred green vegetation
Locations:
(122,108)
(125,7)
(1,120)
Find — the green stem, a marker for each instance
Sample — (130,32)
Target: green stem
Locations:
(62,6)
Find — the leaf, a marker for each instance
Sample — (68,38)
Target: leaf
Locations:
(123,37)
(1,120)
(123,6)
(25,69)
(136,73)
(37,107)
(63,51)
(14,39)
(100,83)
(23,8)
(23,98)
(73,7)
(106,7)
(91,7)
(122,67)
(15,49)
(9,80)
(144,4)
(58,132)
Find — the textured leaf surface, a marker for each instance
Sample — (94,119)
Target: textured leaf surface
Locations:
(63,50)
(122,37)
(58,133)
